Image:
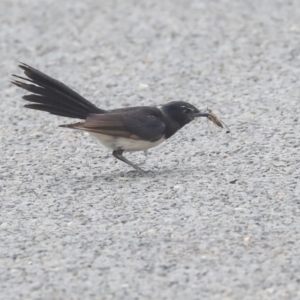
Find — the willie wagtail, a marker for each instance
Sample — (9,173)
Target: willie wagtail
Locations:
(125,129)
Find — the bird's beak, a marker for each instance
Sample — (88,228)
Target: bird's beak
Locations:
(202,113)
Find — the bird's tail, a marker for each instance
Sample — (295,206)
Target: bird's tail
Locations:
(53,96)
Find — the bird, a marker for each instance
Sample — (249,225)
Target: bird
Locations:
(122,130)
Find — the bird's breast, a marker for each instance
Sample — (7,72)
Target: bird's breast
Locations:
(130,145)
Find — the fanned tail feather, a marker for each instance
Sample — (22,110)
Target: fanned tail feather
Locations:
(52,96)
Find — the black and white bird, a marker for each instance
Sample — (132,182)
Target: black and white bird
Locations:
(125,129)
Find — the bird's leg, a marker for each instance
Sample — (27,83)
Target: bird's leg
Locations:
(118,154)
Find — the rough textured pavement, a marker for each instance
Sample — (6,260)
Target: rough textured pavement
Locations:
(218,216)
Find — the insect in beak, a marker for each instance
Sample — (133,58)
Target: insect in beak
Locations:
(213,118)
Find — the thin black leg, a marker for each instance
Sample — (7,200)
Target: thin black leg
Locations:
(118,154)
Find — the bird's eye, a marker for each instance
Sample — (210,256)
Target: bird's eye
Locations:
(187,110)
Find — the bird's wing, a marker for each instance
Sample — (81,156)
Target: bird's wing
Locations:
(140,123)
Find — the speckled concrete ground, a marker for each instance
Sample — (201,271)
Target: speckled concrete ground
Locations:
(218,216)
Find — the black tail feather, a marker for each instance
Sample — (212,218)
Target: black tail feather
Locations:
(54,111)
(53,96)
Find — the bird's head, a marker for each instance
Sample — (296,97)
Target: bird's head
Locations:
(182,112)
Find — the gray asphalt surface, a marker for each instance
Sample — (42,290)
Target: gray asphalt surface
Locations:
(218,216)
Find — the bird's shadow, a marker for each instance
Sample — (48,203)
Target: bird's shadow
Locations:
(135,175)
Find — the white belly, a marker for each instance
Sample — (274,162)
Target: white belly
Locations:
(124,143)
